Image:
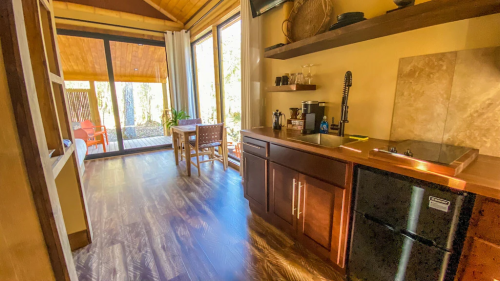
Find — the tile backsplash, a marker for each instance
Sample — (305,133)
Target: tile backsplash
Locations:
(453,98)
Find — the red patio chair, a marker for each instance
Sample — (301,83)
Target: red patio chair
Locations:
(89,141)
(89,127)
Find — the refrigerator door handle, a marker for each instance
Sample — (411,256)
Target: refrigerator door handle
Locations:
(379,221)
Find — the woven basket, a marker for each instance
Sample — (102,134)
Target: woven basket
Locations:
(308,18)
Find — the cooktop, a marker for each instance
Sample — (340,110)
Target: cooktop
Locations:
(433,157)
(428,151)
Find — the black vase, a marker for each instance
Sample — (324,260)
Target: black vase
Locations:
(404,3)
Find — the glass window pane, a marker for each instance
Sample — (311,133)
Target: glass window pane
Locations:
(140,73)
(230,51)
(203,52)
(88,93)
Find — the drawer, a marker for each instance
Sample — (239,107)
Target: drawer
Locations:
(255,147)
(327,169)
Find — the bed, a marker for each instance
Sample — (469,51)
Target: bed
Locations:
(81,151)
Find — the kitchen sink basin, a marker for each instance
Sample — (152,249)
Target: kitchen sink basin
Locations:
(324,140)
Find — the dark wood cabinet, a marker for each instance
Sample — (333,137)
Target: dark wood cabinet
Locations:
(308,195)
(283,197)
(255,184)
(318,226)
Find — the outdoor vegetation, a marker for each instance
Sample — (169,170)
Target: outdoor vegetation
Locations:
(140,107)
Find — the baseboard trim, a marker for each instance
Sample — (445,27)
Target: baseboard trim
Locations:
(78,240)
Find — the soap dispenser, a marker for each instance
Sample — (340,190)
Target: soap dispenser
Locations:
(323,127)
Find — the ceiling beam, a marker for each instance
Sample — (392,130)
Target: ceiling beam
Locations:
(76,14)
(163,11)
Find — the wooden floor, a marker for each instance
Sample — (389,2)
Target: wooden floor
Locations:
(151,222)
(131,144)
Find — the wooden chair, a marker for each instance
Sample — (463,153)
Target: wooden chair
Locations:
(185,122)
(90,128)
(89,140)
(208,137)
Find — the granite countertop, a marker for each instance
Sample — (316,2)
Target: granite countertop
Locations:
(481,177)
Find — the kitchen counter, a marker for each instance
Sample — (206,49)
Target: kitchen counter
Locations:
(481,177)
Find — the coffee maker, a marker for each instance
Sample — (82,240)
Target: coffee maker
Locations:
(312,113)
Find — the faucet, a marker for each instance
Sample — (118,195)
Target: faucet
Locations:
(344,107)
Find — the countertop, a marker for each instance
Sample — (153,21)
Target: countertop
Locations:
(481,177)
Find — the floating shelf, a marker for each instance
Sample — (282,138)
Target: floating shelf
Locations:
(58,162)
(291,88)
(422,15)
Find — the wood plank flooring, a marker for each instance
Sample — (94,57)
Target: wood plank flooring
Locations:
(131,144)
(151,222)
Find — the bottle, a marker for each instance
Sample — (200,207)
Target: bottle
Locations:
(323,127)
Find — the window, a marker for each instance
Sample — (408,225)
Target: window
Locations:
(225,105)
(203,58)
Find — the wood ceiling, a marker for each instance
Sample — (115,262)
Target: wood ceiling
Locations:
(182,10)
(83,59)
(174,10)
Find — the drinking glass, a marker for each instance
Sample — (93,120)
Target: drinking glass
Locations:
(300,78)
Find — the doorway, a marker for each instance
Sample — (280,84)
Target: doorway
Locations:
(118,90)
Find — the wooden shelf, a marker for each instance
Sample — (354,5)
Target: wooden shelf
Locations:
(291,88)
(423,15)
(58,162)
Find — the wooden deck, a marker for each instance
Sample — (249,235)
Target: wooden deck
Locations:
(131,144)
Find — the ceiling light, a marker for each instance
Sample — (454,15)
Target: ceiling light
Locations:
(136,69)
(140,44)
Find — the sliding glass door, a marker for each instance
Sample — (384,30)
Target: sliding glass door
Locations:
(117,88)
(140,75)
(230,69)
(88,92)
(217,74)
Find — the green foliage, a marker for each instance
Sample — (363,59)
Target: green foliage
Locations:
(175,116)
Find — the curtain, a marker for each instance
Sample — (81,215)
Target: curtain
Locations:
(180,75)
(251,69)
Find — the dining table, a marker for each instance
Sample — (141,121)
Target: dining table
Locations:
(187,131)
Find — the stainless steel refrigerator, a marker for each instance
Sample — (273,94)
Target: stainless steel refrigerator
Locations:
(405,229)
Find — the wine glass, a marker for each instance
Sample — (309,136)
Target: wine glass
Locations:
(308,75)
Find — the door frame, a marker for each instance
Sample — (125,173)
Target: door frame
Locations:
(114,99)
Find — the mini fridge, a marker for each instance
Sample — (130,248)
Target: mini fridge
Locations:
(405,229)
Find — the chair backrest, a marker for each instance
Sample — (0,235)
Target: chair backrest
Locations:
(210,133)
(189,122)
(81,134)
(88,126)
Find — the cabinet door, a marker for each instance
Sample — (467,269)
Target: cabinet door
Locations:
(319,216)
(255,175)
(283,197)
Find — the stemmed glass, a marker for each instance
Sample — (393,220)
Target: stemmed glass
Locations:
(308,76)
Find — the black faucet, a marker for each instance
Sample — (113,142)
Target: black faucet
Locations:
(344,108)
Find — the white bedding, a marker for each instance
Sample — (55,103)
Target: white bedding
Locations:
(81,150)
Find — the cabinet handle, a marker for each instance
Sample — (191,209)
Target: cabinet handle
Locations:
(293,198)
(252,145)
(298,205)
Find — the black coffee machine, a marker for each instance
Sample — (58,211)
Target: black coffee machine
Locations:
(312,113)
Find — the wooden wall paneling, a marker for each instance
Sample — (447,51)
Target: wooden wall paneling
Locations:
(40,66)
(32,137)
(482,262)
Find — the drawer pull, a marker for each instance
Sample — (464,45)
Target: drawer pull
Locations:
(298,211)
(293,198)
(252,145)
